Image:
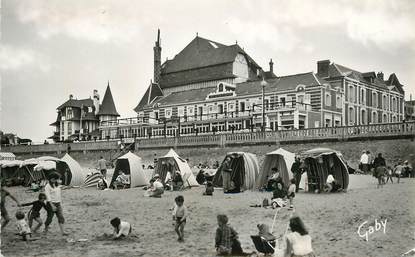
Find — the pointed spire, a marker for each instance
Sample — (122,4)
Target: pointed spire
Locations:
(108,107)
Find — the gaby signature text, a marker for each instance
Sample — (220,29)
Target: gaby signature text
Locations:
(365,230)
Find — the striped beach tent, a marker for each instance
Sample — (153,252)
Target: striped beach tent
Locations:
(245,170)
(92,179)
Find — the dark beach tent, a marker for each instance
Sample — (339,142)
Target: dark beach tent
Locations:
(282,160)
(131,165)
(174,163)
(245,169)
(319,162)
(11,172)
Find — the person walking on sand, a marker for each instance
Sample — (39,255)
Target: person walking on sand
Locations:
(180,214)
(389,175)
(398,170)
(298,240)
(226,174)
(102,166)
(364,162)
(54,206)
(4,214)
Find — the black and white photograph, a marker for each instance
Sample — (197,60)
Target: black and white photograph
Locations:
(183,128)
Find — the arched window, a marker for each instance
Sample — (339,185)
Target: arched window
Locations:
(363,117)
(351,116)
(374,117)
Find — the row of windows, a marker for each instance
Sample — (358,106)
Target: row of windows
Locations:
(388,102)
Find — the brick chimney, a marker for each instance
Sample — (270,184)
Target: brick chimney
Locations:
(323,68)
(380,76)
(271,66)
(157,59)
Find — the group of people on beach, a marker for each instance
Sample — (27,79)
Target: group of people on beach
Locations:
(50,200)
(383,172)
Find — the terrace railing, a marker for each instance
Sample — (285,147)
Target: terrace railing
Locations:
(361,132)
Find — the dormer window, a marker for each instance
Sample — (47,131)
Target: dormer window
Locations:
(220,89)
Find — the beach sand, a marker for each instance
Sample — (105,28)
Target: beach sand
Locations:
(332,220)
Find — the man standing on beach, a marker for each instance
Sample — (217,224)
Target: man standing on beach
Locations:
(296,170)
(102,165)
(226,174)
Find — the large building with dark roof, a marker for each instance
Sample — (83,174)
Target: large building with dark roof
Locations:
(210,87)
(79,119)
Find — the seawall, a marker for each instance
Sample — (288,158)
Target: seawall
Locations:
(392,150)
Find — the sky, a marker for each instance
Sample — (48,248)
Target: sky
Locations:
(51,49)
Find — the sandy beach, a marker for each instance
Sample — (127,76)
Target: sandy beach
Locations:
(332,220)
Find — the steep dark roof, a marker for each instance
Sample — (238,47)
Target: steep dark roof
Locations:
(337,70)
(186,96)
(152,92)
(108,107)
(77,103)
(202,60)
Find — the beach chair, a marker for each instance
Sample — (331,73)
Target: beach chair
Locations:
(262,245)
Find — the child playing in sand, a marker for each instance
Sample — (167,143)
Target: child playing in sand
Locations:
(291,192)
(121,228)
(226,239)
(179,215)
(34,213)
(22,227)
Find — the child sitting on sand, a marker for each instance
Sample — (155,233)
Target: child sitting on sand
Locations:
(22,227)
(179,215)
(34,213)
(226,239)
(209,188)
(121,228)
(265,233)
(291,192)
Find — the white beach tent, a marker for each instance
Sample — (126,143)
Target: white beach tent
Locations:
(173,162)
(131,165)
(78,174)
(282,160)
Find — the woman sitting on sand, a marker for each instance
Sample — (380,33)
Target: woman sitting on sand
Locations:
(298,241)
(279,196)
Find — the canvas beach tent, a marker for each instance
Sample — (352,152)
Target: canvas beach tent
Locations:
(280,159)
(174,163)
(11,172)
(78,175)
(245,170)
(319,162)
(30,175)
(69,169)
(131,165)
